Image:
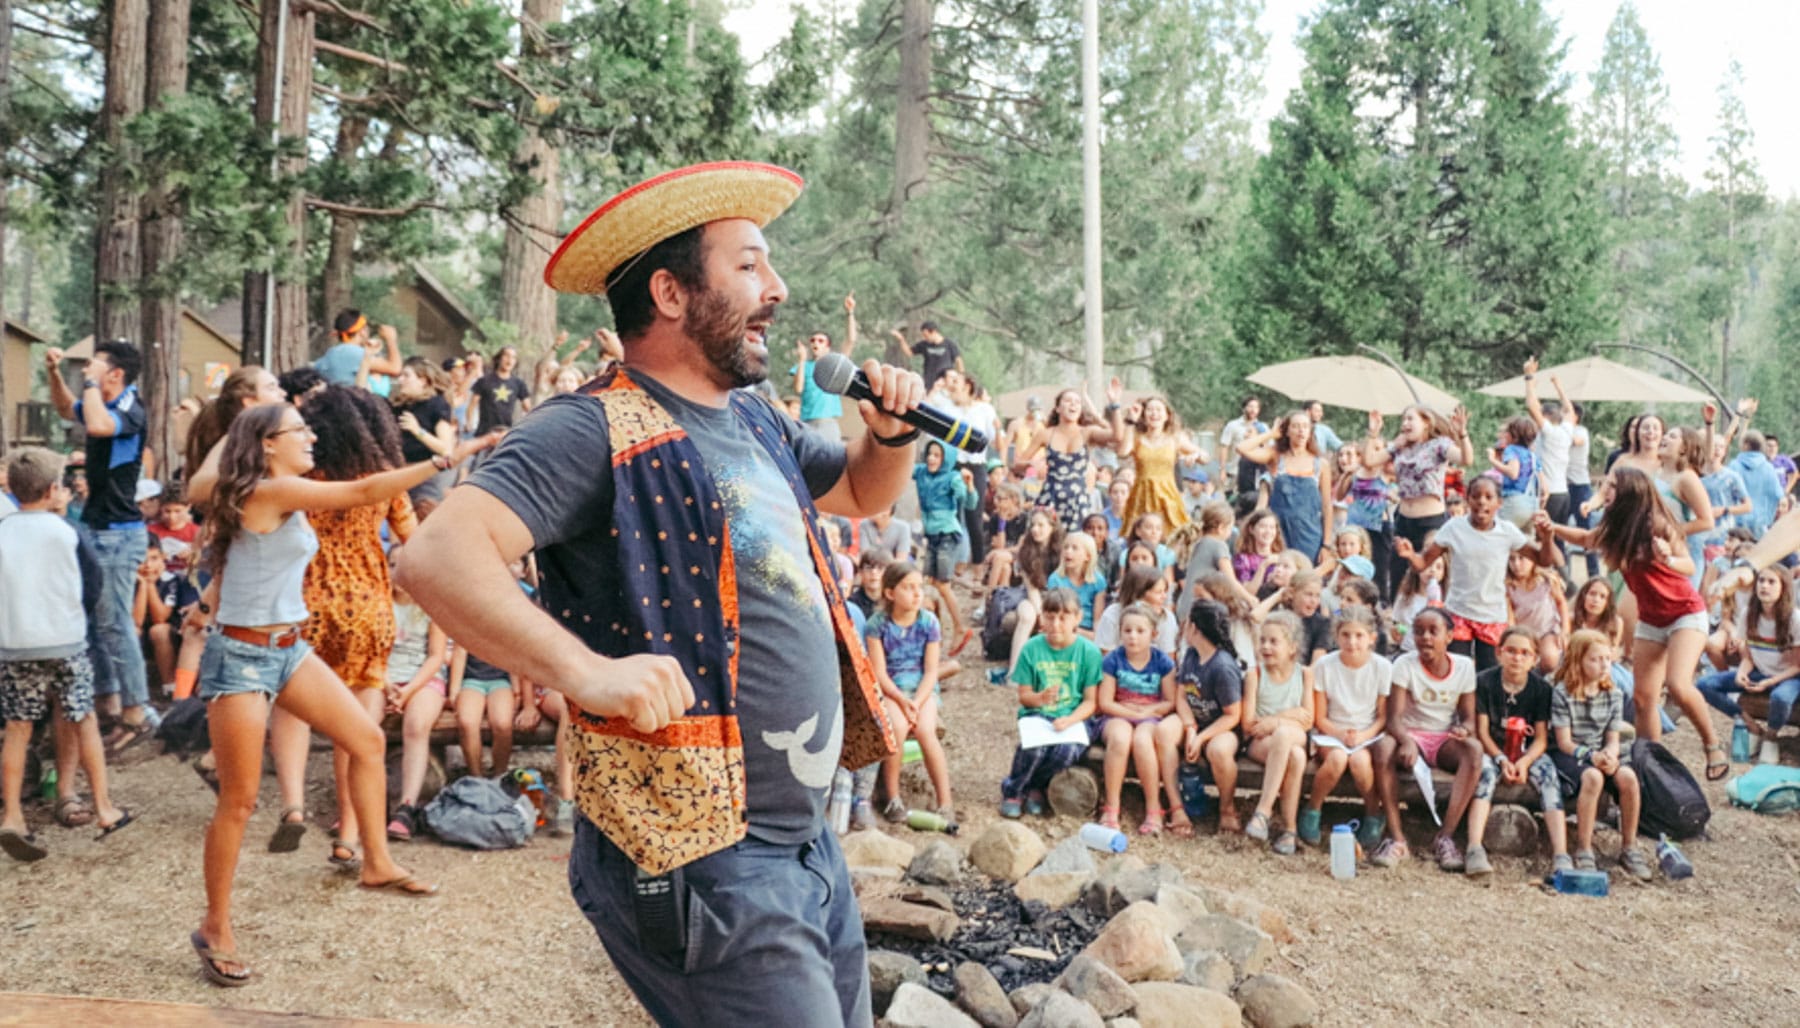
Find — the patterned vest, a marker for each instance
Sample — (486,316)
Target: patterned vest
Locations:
(673,796)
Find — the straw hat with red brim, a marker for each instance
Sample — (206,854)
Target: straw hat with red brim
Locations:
(667,205)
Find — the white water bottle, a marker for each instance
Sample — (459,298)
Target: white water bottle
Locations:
(1343,852)
(837,806)
(1106,840)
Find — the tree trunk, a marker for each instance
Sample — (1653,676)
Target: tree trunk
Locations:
(526,301)
(162,242)
(6,410)
(117,260)
(292,67)
(340,256)
(912,140)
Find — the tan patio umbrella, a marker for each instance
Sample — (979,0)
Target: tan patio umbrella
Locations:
(1352,382)
(1597,379)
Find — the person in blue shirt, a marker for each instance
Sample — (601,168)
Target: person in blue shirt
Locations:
(358,358)
(1762,481)
(820,410)
(1328,440)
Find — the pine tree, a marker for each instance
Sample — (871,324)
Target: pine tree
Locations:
(1729,216)
(1422,192)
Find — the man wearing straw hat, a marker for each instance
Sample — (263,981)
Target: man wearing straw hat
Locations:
(690,612)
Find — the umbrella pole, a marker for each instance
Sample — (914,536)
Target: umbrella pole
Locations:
(1390,362)
(1724,404)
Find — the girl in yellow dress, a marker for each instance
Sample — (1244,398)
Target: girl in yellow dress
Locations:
(1153,439)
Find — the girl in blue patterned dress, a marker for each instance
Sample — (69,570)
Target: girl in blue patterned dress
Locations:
(903,641)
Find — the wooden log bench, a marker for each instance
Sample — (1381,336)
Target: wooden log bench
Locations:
(446,735)
(1755,706)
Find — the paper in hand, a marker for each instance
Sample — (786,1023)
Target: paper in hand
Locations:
(1038,731)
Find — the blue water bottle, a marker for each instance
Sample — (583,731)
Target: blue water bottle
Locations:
(1192,783)
(1740,742)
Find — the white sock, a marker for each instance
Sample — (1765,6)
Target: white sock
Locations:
(1771,753)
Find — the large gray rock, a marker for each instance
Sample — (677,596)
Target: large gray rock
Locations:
(1249,949)
(939,863)
(1123,1022)
(1053,890)
(915,1006)
(1182,903)
(1097,985)
(1137,945)
(1208,970)
(1067,856)
(981,995)
(887,972)
(1249,910)
(1272,1001)
(1127,881)
(1169,1005)
(876,849)
(1058,1009)
(1025,997)
(1006,851)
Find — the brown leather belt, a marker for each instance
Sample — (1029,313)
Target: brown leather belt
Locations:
(283,639)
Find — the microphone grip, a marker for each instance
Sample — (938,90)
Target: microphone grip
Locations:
(928,420)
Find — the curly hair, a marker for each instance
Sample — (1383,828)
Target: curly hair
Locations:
(356,433)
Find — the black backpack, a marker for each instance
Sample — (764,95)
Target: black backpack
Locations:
(996,640)
(1673,803)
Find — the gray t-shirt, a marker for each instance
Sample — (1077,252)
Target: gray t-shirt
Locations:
(789,704)
(896,541)
(1204,561)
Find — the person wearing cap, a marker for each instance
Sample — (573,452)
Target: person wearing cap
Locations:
(689,610)
(148,498)
(1020,433)
(1197,490)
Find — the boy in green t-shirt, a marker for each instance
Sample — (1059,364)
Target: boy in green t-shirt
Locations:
(1056,674)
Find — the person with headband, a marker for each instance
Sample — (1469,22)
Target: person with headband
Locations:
(689,610)
(361,358)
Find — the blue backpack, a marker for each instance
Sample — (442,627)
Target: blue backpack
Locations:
(1766,789)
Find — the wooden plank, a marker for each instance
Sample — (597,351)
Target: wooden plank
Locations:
(28,1008)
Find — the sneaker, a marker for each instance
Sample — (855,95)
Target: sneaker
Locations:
(1258,828)
(862,815)
(1011,808)
(1633,861)
(1584,861)
(1370,831)
(895,811)
(1561,862)
(1448,856)
(1476,865)
(1307,826)
(562,823)
(1768,752)
(1285,844)
(1390,853)
(1036,804)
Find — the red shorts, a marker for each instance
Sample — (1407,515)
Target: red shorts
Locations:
(1464,630)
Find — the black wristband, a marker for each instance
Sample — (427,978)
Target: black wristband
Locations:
(895,441)
(89,383)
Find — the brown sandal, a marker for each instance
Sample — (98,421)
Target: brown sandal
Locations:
(72,812)
(288,833)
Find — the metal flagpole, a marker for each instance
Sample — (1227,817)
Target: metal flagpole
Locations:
(1090,195)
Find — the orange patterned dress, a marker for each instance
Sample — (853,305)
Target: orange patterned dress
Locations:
(349,593)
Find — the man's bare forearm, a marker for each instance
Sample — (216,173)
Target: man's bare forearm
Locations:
(877,476)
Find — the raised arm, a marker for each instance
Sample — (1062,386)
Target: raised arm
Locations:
(1259,448)
(849,325)
(390,362)
(1532,405)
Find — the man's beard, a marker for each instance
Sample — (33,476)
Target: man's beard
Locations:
(721,335)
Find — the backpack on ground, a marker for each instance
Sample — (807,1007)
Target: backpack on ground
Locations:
(184,729)
(1673,803)
(1766,789)
(476,812)
(996,639)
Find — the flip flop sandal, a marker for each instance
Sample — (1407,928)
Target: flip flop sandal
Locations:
(349,864)
(288,833)
(125,818)
(22,848)
(71,812)
(408,886)
(1180,826)
(131,736)
(210,959)
(1716,770)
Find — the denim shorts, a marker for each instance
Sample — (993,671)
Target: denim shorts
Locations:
(487,686)
(1651,633)
(231,666)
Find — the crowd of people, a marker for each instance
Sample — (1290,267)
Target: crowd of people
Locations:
(1313,603)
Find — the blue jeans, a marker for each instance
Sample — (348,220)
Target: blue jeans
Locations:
(1033,768)
(1721,690)
(769,929)
(1781,704)
(118,660)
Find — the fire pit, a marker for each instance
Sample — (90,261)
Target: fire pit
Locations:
(1018,942)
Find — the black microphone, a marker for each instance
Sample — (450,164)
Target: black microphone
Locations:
(836,375)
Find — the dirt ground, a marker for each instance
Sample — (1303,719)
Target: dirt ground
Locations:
(504,944)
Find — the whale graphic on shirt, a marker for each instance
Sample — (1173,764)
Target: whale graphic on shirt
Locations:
(812,768)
